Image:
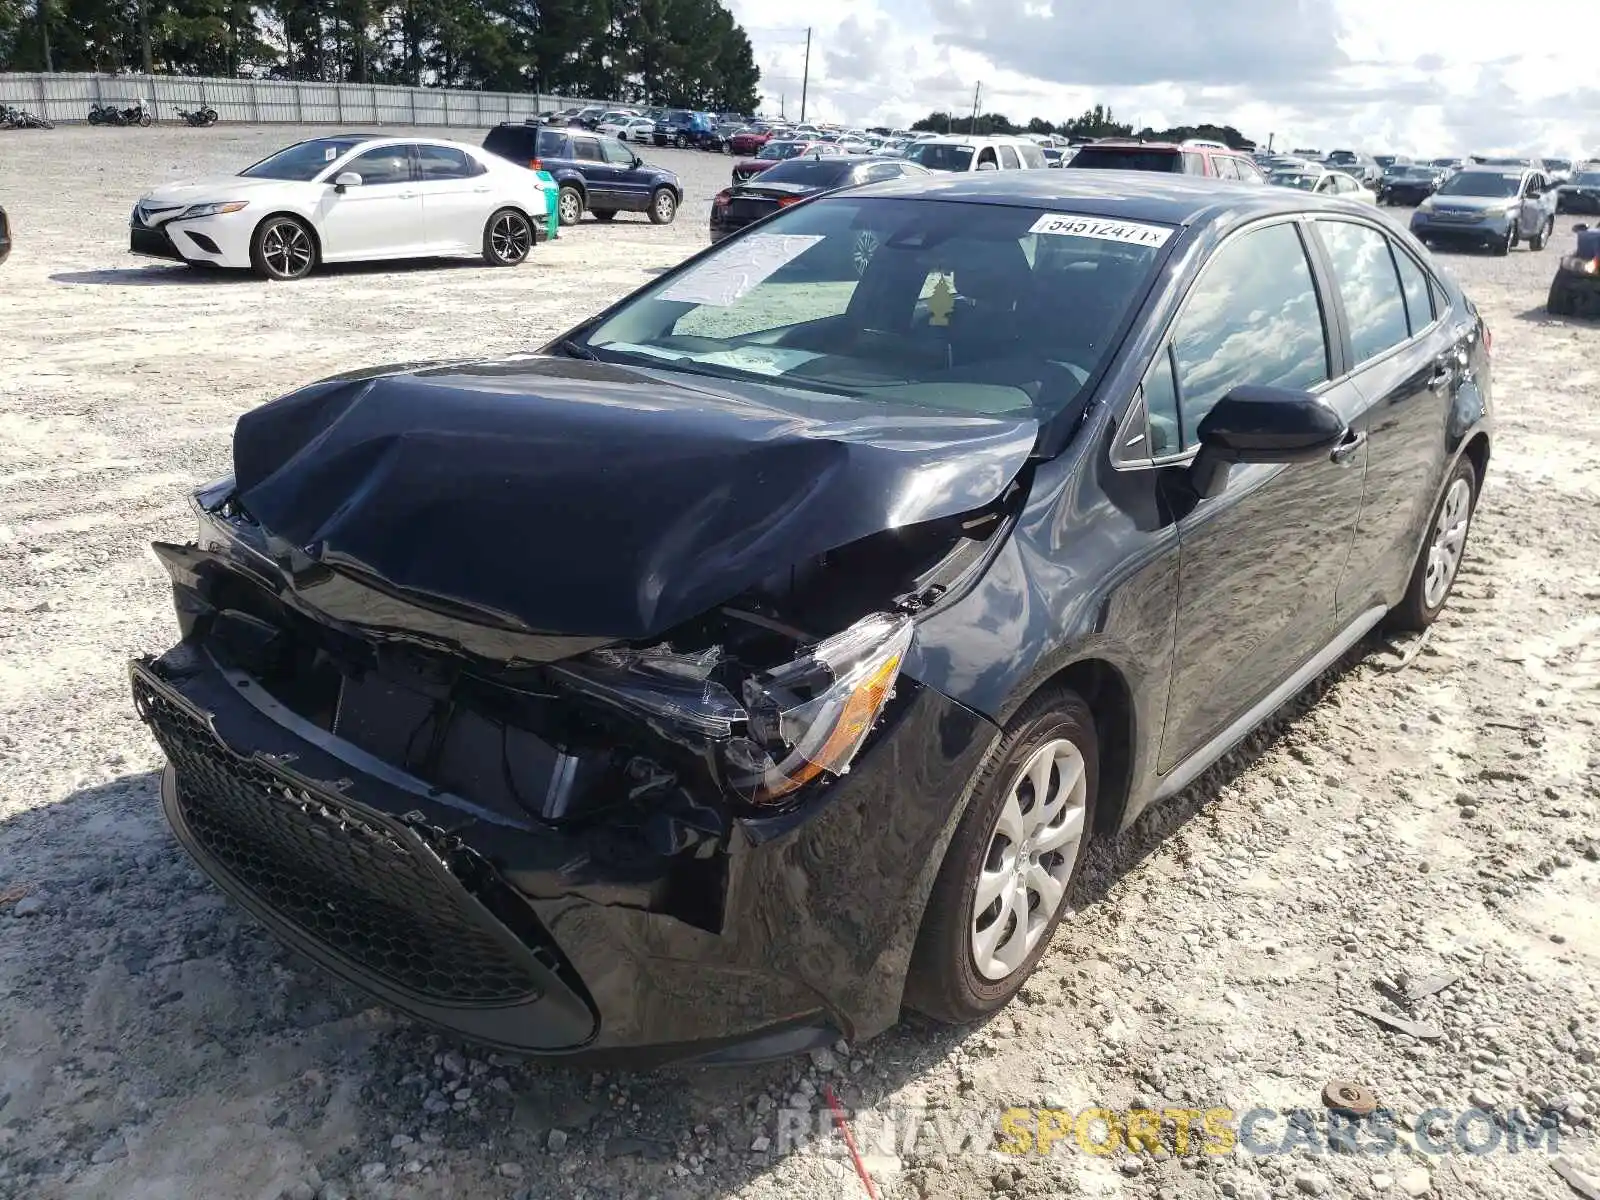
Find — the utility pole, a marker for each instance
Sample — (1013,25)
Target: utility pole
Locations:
(44,33)
(144,38)
(976,92)
(805,78)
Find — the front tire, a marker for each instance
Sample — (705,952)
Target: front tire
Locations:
(663,207)
(507,238)
(283,248)
(1507,244)
(1438,564)
(569,206)
(144,120)
(1541,239)
(1002,887)
(680,141)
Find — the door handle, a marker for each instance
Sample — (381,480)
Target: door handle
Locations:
(408,195)
(1345,450)
(480,189)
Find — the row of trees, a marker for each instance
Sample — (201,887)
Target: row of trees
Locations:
(1096,122)
(688,53)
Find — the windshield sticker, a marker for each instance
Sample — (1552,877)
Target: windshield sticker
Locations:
(724,278)
(329,153)
(1131,232)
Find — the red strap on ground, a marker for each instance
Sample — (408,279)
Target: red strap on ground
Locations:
(850,1142)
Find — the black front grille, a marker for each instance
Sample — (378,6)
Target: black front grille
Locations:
(347,880)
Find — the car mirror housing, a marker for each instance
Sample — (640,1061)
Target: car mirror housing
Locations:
(346,179)
(637,162)
(1263,425)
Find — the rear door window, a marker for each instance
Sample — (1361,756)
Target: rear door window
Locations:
(586,149)
(1414,286)
(552,144)
(1009,159)
(1193,163)
(446,162)
(1223,166)
(1363,268)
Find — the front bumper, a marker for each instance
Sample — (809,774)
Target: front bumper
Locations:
(1480,230)
(549,940)
(222,241)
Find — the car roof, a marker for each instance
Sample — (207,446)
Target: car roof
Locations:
(1116,195)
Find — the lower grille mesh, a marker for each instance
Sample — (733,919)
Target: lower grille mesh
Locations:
(345,882)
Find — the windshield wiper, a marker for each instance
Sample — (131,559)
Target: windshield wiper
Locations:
(573,350)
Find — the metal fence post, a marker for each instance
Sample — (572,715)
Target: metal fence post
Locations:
(255,104)
(299,112)
(338,102)
(377,114)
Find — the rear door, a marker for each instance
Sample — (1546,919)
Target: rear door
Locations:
(1261,562)
(1405,362)
(379,218)
(601,177)
(456,197)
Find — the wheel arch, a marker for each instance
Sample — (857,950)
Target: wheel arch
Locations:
(311,227)
(1105,689)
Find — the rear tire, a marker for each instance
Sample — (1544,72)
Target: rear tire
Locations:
(663,207)
(947,982)
(1541,239)
(283,248)
(507,238)
(1438,564)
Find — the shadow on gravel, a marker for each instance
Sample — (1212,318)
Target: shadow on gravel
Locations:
(1539,315)
(180,275)
(201,1003)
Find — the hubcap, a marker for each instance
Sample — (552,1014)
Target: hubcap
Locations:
(865,246)
(286,248)
(1032,849)
(570,208)
(509,238)
(1449,538)
(664,205)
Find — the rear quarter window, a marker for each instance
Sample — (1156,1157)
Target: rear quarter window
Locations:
(552,144)
(510,142)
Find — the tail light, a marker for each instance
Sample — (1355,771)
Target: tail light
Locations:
(785,201)
(535,165)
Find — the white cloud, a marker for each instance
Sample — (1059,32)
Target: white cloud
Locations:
(1419,77)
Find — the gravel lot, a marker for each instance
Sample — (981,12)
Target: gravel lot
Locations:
(1436,814)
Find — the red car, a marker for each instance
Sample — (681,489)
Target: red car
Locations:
(776,152)
(749,141)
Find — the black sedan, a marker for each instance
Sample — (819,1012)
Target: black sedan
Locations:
(792,181)
(1409,185)
(1581,194)
(762,657)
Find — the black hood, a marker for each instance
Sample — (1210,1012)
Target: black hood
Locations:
(564,496)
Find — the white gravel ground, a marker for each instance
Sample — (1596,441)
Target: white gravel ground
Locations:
(1439,816)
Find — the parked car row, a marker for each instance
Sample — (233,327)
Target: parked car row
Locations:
(363,197)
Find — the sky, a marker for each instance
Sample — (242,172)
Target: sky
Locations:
(1419,77)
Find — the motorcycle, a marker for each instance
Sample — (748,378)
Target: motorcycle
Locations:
(137,113)
(201,118)
(101,114)
(16,118)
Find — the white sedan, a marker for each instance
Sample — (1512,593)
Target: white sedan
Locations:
(1324,183)
(633,129)
(349,198)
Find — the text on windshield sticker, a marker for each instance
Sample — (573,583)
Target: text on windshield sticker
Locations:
(1131,232)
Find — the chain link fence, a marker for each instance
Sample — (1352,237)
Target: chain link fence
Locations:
(67,97)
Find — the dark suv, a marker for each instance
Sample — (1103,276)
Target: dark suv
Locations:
(1177,158)
(679,127)
(594,172)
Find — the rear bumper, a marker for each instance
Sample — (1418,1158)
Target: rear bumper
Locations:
(550,940)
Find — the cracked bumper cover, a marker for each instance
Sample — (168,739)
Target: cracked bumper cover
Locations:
(513,935)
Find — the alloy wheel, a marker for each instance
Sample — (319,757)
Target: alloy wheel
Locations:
(571,207)
(1032,849)
(286,249)
(510,238)
(1449,538)
(665,206)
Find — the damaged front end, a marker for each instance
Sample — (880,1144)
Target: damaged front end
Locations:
(559,843)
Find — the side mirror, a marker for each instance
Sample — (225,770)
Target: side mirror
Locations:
(346,179)
(637,162)
(1263,425)
(1581,227)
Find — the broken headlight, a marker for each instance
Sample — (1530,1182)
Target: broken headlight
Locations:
(790,725)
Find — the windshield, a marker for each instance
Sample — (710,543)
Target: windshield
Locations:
(930,303)
(303,161)
(777,151)
(941,156)
(1104,158)
(1294,179)
(1419,173)
(1497,184)
(1558,164)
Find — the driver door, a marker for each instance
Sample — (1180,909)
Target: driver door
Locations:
(1531,213)
(381,217)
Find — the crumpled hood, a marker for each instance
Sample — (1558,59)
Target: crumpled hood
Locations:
(573,497)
